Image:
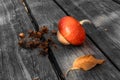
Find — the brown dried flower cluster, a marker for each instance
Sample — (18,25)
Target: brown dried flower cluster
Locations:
(34,40)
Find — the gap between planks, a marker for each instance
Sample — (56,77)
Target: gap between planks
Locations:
(51,57)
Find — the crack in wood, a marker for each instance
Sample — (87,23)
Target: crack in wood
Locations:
(61,7)
(117,1)
(36,26)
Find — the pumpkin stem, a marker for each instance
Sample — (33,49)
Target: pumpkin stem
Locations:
(85,21)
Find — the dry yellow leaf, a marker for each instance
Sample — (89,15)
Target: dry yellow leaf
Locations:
(85,63)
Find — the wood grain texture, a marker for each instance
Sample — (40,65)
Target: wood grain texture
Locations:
(65,55)
(105,15)
(17,63)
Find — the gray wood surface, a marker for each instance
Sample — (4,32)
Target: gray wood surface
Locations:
(105,15)
(17,63)
(48,13)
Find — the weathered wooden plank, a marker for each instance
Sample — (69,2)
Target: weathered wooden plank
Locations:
(48,13)
(17,63)
(106,17)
